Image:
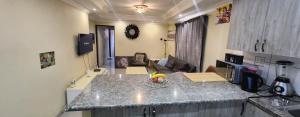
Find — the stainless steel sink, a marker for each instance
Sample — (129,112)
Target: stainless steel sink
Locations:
(293,110)
(295,113)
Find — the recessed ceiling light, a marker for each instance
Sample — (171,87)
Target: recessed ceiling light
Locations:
(94,9)
(180,15)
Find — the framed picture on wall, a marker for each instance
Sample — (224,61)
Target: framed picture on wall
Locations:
(171,34)
(47,59)
(224,13)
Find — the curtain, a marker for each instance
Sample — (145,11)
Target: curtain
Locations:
(190,40)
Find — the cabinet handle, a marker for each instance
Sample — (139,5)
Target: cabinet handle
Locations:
(255,46)
(263,46)
(153,112)
(145,112)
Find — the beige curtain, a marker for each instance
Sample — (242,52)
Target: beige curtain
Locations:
(190,40)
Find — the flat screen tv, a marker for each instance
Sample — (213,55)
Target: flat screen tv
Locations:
(85,43)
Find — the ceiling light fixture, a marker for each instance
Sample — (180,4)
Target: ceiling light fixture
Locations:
(141,8)
(94,9)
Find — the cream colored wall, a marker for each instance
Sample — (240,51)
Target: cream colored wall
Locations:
(93,55)
(27,28)
(171,44)
(216,41)
(148,40)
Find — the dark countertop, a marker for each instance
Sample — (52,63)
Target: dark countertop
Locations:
(108,91)
(267,104)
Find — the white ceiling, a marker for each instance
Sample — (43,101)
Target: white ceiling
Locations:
(158,10)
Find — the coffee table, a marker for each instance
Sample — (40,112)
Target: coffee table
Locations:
(136,70)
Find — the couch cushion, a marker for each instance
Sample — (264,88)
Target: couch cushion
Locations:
(161,69)
(121,62)
(170,62)
(139,58)
(192,68)
(163,62)
(179,65)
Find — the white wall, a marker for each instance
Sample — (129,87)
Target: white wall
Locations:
(148,40)
(27,28)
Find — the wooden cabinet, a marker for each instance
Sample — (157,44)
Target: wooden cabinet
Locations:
(247,24)
(282,28)
(266,26)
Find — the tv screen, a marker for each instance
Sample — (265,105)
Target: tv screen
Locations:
(85,43)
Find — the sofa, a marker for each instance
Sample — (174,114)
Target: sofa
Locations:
(173,65)
(139,59)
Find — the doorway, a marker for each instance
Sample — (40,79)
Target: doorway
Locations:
(105,37)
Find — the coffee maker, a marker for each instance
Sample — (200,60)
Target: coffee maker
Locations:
(281,85)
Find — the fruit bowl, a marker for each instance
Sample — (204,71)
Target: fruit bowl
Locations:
(152,84)
(157,80)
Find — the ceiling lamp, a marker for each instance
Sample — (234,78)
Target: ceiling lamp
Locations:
(141,8)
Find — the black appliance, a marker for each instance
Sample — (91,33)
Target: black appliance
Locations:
(250,81)
(237,59)
(229,71)
(85,43)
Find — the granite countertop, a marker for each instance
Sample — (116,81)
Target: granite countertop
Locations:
(267,104)
(119,90)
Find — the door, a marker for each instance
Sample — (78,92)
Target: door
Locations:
(282,28)
(247,24)
(105,46)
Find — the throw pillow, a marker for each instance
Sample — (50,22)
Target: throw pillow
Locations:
(179,64)
(186,68)
(139,58)
(122,62)
(163,61)
(170,62)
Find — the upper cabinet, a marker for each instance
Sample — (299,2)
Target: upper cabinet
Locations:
(282,28)
(266,26)
(247,24)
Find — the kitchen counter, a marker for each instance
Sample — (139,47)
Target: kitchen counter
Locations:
(119,90)
(265,104)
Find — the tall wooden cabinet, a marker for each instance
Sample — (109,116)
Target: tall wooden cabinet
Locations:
(266,26)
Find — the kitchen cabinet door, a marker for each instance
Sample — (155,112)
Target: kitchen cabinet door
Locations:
(205,109)
(253,111)
(121,112)
(247,25)
(282,28)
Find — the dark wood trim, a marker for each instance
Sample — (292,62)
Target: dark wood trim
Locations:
(96,29)
(203,45)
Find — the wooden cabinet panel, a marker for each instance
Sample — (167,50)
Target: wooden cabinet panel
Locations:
(247,24)
(282,28)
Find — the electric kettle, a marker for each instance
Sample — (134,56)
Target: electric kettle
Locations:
(251,81)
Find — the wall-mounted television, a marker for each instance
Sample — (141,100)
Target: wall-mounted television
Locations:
(85,43)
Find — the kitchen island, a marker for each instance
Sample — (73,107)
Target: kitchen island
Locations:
(129,95)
